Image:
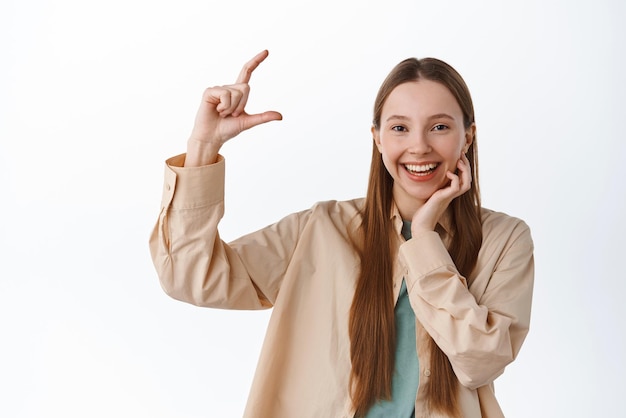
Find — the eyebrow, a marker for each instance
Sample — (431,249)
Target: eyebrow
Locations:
(441,116)
(437,116)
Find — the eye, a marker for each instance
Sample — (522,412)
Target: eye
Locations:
(440,127)
(398,128)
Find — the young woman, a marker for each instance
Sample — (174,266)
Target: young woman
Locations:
(409,302)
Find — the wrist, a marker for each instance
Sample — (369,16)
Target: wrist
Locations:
(201,153)
(418,229)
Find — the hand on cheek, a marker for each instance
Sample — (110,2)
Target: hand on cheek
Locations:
(426,217)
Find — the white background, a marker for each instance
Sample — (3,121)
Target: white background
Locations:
(95,95)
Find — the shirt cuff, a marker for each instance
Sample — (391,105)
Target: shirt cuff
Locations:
(424,254)
(192,187)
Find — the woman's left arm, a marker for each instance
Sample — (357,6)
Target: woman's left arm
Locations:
(481,331)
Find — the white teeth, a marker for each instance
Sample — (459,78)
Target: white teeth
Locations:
(414,168)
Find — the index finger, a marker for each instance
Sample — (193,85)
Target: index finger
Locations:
(466,170)
(250,66)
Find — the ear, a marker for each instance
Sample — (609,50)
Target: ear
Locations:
(469,137)
(376,136)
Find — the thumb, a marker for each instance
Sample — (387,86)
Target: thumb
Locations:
(250,121)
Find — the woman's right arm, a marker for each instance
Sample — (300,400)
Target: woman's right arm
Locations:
(192,262)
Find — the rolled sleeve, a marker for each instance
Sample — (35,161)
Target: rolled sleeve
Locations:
(194,186)
(480,333)
(193,264)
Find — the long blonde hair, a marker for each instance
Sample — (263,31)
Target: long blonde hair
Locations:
(372,323)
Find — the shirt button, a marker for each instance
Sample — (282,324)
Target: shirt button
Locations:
(427,373)
(168,187)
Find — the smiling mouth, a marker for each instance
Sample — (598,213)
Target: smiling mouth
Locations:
(421,169)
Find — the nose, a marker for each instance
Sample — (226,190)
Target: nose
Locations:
(419,144)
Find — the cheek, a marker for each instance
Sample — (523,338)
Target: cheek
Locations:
(391,149)
(390,159)
(388,163)
(452,157)
(456,150)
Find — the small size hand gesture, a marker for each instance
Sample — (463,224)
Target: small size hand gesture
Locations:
(222,116)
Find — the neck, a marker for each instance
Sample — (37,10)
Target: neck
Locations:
(407,208)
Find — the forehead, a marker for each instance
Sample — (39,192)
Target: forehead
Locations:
(421,99)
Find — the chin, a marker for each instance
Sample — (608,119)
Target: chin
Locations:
(419,195)
(423,192)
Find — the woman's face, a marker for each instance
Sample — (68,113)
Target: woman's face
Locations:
(421,138)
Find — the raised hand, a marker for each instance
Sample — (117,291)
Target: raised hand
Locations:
(222,116)
(426,217)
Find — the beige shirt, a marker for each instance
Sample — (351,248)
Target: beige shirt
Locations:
(305,268)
